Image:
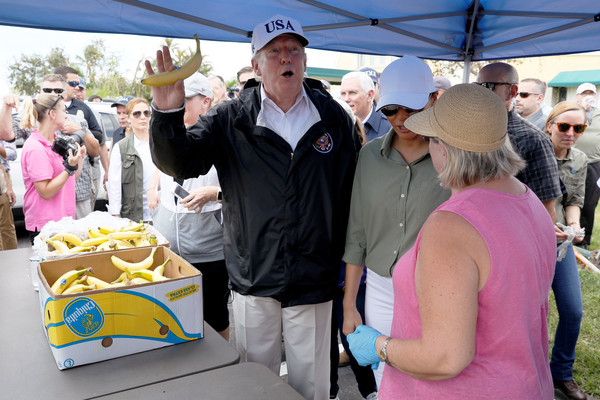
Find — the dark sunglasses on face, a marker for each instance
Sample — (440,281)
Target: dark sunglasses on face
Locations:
(563,127)
(73,83)
(137,114)
(49,90)
(492,85)
(391,110)
(525,95)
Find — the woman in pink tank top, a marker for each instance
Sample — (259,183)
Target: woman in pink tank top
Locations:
(471,296)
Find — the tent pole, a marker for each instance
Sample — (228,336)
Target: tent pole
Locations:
(467,68)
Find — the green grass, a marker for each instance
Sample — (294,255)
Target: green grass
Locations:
(586,369)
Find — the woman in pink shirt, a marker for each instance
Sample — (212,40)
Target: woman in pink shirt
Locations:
(49,179)
(471,296)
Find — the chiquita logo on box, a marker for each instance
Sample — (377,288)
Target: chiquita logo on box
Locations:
(83,316)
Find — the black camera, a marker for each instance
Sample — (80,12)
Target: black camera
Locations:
(62,144)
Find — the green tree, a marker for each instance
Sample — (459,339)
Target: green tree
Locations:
(93,59)
(26,73)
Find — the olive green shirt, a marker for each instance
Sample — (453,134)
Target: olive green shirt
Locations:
(390,202)
(572,172)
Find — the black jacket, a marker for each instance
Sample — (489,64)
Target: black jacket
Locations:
(285,212)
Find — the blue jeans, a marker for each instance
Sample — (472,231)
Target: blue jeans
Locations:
(567,292)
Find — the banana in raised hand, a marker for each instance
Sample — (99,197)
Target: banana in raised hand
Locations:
(170,77)
(129,267)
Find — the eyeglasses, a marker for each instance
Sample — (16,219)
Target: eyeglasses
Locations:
(138,114)
(73,83)
(49,90)
(525,95)
(391,110)
(59,97)
(492,85)
(564,127)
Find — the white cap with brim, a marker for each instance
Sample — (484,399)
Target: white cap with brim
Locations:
(406,82)
(586,86)
(275,26)
(197,84)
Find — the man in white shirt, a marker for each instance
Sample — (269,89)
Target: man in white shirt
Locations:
(285,155)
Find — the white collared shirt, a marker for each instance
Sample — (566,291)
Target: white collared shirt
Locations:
(291,126)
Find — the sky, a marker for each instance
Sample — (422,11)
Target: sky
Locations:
(226,58)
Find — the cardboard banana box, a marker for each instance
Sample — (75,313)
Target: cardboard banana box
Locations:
(97,325)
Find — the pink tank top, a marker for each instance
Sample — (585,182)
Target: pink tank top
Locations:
(511,349)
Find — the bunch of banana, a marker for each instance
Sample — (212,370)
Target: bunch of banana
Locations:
(103,238)
(74,281)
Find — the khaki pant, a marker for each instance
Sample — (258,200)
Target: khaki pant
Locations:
(259,323)
(8,235)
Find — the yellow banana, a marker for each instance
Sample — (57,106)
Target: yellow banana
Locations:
(133,227)
(153,240)
(120,279)
(125,235)
(81,249)
(170,77)
(124,244)
(159,272)
(104,246)
(95,233)
(67,278)
(100,284)
(143,273)
(78,288)
(59,247)
(68,238)
(138,280)
(105,230)
(129,267)
(94,241)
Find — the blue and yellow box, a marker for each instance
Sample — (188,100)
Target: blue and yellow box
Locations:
(97,325)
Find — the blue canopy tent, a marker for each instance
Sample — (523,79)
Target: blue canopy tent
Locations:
(452,30)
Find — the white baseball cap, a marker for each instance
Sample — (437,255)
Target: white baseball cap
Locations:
(406,82)
(586,86)
(277,25)
(197,84)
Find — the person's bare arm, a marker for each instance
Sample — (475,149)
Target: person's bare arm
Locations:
(550,205)
(352,318)
(451,269)
(9,102)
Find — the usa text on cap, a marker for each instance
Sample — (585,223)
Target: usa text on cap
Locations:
(277,25)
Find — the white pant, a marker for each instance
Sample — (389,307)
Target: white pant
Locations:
(259,322)
(379,309)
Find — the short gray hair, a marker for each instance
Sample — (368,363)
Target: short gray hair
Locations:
(464,168)
(366,83)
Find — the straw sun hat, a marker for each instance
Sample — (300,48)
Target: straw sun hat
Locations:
(467,116)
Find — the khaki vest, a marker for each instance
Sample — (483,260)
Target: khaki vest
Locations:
(132,181)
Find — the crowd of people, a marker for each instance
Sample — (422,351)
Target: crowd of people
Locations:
(422,224)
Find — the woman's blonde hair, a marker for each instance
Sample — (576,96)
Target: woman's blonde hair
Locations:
(129,109)
(465,168)
(36,109)
(561,108)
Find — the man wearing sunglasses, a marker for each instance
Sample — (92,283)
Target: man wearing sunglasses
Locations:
(528,102)
(78,107)
(541,172)
(77,128)
(589,143)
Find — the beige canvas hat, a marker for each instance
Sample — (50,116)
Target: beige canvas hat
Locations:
(467,116)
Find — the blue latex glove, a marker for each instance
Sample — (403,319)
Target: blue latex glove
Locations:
(362,346)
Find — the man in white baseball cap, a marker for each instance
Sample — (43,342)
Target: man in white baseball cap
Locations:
(198,95)
(395,189)
(285,155)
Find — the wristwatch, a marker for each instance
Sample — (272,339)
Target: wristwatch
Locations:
(383,356)
(220,196)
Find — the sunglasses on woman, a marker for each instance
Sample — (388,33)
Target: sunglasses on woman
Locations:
(391,110)
(563,127)
(49,90)
(137,114)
